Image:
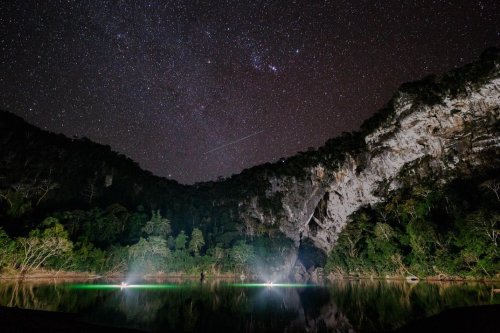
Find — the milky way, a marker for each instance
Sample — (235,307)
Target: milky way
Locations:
(165,82)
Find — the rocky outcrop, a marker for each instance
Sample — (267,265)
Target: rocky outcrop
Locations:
(458,131)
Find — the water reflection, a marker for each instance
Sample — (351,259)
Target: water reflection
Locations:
(386,305)
(343,306)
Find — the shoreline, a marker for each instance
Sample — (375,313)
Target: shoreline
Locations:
(411,279)
(63,275)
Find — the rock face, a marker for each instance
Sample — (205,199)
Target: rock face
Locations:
(458,131)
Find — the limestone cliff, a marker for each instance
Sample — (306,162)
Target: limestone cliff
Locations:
(455,131)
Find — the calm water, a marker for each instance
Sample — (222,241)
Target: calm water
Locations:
(360,306)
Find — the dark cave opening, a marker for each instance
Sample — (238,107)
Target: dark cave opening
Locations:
(310,256)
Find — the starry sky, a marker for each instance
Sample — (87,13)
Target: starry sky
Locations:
(196,90)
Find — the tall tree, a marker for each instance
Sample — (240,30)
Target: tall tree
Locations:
(180,241)
(241,253)
(40,246)
(157,226)
(197,241)
(6,249)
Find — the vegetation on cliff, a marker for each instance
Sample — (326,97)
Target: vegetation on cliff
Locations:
(425,230)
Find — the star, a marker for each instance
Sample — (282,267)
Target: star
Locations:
(164,83)
(273,68)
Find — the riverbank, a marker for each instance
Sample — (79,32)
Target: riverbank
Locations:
(49,275)
(414,279)
(42,274)
(71,275)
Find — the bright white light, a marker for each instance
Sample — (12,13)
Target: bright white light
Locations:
(123,285)
(269,284)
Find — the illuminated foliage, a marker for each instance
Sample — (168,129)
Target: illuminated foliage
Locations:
(197,241)
(42,245)
(157,226)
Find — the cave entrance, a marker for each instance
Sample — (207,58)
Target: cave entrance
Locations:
(310,256)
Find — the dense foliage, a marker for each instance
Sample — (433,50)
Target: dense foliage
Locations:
(425,230)
(117,241)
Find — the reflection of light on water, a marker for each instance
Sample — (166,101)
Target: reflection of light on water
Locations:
(271,284)
(273,303)
(125,285)
(122,286)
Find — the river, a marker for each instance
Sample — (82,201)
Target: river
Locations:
(226,306)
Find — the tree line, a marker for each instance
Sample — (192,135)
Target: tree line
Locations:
(114,241)
(424,230)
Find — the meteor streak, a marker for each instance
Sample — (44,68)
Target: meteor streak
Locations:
(232,142)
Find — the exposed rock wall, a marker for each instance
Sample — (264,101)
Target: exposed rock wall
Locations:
(452,132)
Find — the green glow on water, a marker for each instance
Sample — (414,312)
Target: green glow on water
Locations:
(180,286)
(119,286)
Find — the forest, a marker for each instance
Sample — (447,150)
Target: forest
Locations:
(115,241)
(425,231)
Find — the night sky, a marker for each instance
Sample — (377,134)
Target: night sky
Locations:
(194,90)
